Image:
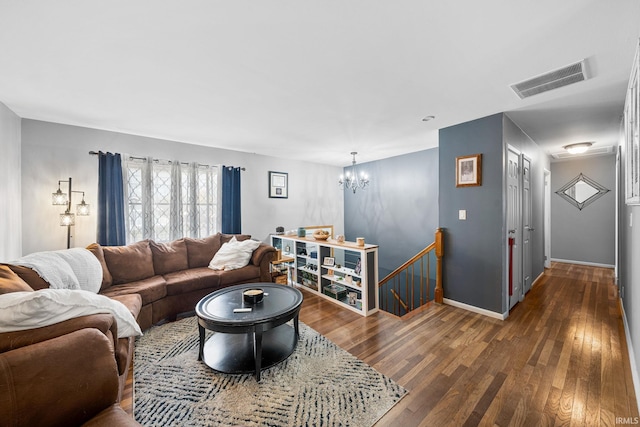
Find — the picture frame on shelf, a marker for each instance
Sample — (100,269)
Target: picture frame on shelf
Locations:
(328,261)
(353,297)
(469,170)
(278,185)
(358,267)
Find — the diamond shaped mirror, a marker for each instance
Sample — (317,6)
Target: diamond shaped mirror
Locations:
(581,191)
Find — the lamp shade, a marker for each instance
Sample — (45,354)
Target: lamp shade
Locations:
(67,218)
(82,209)
(59,198)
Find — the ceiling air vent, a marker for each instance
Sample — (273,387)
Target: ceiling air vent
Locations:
(565,76)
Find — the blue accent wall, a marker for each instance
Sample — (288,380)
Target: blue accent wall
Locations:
(473,249)
(399,209)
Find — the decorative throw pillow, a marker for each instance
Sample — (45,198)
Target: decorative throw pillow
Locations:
(97,251)
(233,254)
(11,282)
(28,310)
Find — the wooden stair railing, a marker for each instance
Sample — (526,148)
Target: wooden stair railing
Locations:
(406,289)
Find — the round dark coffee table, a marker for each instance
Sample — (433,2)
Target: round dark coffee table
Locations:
(248,341)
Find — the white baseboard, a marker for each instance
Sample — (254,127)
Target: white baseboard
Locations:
(475,309)
(632,358)
(592,264)
(540,276)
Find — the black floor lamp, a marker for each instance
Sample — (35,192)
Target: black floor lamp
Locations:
(67,218)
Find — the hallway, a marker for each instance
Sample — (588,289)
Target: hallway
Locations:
(560,358)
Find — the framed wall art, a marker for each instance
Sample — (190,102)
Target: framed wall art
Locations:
(469,170)
(278,185)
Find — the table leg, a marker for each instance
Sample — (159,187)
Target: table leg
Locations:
(257,351)
(296,325)
(201,348)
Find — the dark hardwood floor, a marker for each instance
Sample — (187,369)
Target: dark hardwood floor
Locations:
(559,359)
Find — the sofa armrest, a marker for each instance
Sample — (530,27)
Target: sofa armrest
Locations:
(105,323)
(62,381)
(262,257)
(261,251)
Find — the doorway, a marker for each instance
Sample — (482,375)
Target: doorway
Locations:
(514,221)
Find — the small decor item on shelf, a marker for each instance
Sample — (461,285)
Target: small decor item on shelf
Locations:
(321,235)
(302,232)
(353,297)
(279,230)
(335,291)
(358,267)
(360,241)
(340,238)
(328,261)
(338,266)
(348,279)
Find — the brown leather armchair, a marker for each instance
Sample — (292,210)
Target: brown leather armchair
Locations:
(69,380)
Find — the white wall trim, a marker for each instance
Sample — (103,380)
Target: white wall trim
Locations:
(475,309)
(632,357)
(592,264)
(535,282)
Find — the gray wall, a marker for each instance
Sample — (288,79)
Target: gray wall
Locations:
(587,235)
(473,249)
(399,209)
(51,152)
(515,137)
(475,262)
(10,185)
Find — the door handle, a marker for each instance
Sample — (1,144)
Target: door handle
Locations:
(529,228)
(512,231)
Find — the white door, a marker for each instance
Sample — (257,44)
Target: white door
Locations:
(513,228)
(527,228)
(547,219)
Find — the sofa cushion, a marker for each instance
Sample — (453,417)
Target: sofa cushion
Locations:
(150,289)
(31,277)
(200,251)
(129,263)
(185,281)
(11,282)
(233,254)
(169,257)
(107,280)
(250,273)
(28,310)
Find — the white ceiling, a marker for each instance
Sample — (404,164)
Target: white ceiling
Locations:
(315,79)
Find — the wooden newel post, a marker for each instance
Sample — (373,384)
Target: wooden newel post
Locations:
(439,252)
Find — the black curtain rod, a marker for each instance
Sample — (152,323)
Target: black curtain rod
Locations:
(95,153)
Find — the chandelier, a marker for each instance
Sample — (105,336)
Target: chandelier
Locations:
(352,181)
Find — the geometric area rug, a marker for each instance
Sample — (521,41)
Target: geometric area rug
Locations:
(320,384)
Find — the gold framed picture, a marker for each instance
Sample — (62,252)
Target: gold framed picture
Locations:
(469,170)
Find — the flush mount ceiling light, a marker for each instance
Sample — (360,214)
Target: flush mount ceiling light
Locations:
(578,147)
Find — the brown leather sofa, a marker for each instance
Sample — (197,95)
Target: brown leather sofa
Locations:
(69,380)
(155,281)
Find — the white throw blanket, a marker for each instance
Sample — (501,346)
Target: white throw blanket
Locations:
(75,268)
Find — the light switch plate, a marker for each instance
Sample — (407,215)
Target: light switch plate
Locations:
(462,214)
